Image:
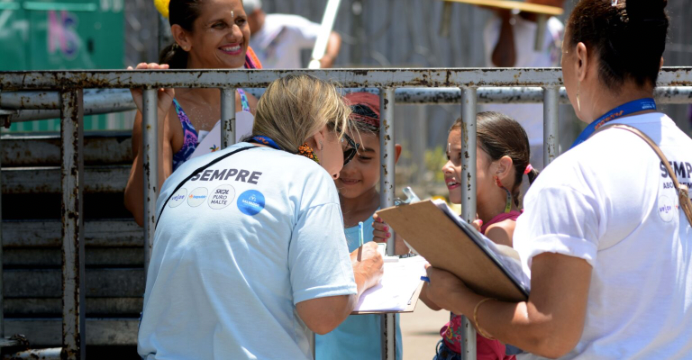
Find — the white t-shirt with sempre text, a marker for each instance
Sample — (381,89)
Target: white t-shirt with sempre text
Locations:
(610,202)
(236,248)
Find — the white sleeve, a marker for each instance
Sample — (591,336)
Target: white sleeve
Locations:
(318,258)
(305,31)
(561,220)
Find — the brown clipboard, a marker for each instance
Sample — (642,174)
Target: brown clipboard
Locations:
(446,246)
(410,308)
(515,5)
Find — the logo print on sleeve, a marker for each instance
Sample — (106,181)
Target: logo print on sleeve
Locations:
(666,208)
(221,197)
(251,202)
(197,197)
(178,198)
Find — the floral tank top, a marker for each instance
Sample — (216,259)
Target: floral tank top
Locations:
(190,134)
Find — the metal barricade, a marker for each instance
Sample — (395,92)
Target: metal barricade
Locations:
(468,88)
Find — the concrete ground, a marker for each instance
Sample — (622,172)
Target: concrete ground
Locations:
(420,331)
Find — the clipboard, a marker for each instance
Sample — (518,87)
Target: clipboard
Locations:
(455,246)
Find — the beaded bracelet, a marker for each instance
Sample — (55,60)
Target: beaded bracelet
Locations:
(475,319)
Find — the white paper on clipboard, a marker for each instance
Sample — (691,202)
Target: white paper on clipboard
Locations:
(212,142)
(393,294)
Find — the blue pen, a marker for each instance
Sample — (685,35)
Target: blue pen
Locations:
(426,279)
(360,228)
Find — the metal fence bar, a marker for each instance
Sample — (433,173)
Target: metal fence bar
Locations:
(551,143)
(39,105)
(151,168)
(100,101)
(73,302)
(227,117)
(349,78)
(468,197)
(94,99)
(387,156)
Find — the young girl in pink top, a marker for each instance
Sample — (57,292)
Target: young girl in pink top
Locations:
(502,161)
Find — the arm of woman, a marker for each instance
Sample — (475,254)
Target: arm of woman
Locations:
(504,54)
(332,51)
(426,298)
(323,315)
(134,190)
(549,324)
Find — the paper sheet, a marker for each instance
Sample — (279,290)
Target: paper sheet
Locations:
(212,142)
(399,281)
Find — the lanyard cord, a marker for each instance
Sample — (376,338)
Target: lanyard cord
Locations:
(618,112)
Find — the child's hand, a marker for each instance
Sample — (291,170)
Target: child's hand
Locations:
(380,232)
(477,224)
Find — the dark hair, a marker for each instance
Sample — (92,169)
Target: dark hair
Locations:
(182,13)
(361,126)
(499,135)
(628,37)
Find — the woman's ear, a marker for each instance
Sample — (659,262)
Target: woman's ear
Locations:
(397,152)
(181,37)
(581,61)
(504,169)
(319,139)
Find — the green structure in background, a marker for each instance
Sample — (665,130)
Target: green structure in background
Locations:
(60,35)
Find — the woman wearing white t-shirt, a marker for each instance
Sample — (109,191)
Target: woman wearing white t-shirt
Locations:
(249,252)
(608,249)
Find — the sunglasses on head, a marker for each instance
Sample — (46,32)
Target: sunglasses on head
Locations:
(352,149)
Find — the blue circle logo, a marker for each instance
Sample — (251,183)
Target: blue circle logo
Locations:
(251,202)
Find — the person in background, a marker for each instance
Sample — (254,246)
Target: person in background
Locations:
(358,337)
(210,34)
(503,160)
(510,42)
(278,39)
(603,235)
(250,245)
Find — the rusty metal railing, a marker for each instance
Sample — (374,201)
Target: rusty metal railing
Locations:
(471,84)
(18,106)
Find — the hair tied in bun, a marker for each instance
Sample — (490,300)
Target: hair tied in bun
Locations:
(646,10)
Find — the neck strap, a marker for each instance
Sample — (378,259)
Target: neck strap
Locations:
(620,111)
(265,140)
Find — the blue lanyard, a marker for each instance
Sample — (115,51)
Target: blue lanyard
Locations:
(620,111)
(266,141)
